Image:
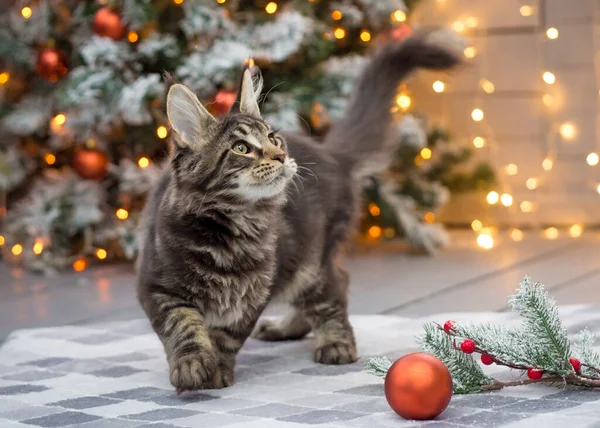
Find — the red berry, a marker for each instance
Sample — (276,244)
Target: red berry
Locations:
(486,359)
(467,346)
(575,363)
(449,326)
(534,374)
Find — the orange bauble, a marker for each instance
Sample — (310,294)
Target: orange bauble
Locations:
(418,386)
(51,64)
(222,102)
(90,164)
(108,24)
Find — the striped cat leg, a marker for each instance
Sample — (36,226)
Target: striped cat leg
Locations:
(328,315)
(192,360)
(227,342)
(293,326)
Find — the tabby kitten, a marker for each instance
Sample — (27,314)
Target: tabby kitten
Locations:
(242,215)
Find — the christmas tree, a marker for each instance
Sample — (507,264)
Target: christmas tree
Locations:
(83,126)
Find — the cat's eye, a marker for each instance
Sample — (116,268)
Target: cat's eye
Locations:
(272,138)
(241,148)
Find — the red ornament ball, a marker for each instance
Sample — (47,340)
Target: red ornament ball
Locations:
(467,346)
(90,164)
(222,102)
(449,326)
(401,32)
(486,359)
(107,23)
(575,363)
(418,386)
(534,374)
(51,64)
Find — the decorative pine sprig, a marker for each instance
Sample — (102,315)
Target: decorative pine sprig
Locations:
(540,347)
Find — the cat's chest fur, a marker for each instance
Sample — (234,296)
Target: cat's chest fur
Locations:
(228,260)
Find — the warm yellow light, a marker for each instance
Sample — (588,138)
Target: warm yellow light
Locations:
(485,241)
(512,169)
(470,52)
(552,33)
(336,15)
(389,232)
(477,115)
(575,231)
(516,235)
(476,225)
(399,16)
(429,217)
(426,153)
(122,214)
(549,77)
(1,240)
(132,36)
(50,159)
(339,33)
(548,100)
(592,159)
(161,132)
(365,36)
(177,1)
(374,210)
(438,86)
(479,142)
(79,265)
(403,102)
(492,198)
(59,119)
(531,183)
(4,77)
(375,232)
(101,253)
(506,199)
(17,249)
(26,12)
(487,86)
(598,188)
(271,7)
(526,10)
(527,206)
(551,233)
(458,26)
(547,164)
(567,131)
(143,162)
(471,22)
(221,1)
(38,247)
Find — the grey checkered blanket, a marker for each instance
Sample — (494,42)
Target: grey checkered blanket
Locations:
(115,375)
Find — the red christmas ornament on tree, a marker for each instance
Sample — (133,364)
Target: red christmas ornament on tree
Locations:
(449,326)
(51,64)
(486,359)
(534,374)
(222,102)
(90,164)
(418,386)
(575,363)
(107,23)
(467,346)
(401,32)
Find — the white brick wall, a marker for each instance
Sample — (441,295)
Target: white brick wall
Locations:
(513,52)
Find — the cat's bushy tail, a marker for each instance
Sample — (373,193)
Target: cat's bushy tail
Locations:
(365,129)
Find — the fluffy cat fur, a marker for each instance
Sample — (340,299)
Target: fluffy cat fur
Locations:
(243,214)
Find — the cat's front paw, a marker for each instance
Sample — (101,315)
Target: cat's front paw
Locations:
(336,353)
(196,371)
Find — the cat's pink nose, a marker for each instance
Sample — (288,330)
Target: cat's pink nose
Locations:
(279,157)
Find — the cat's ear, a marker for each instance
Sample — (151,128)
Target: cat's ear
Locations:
(189,119)
(249,92)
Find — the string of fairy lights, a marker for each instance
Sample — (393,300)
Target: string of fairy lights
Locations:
(565,131)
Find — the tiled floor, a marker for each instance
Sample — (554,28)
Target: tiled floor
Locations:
(462,278)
